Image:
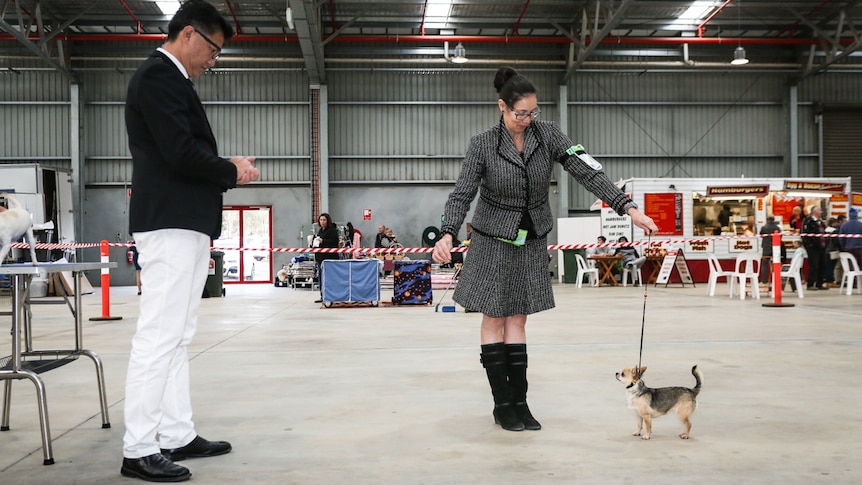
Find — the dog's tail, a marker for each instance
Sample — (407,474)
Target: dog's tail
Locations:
(698,378)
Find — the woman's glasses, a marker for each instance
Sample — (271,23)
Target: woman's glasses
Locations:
(522,115)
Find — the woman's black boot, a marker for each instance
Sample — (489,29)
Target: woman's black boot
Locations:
(516,362)
(493,359)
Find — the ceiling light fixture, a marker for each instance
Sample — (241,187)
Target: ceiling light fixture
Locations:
(459,54)
(288,16)
(739,58)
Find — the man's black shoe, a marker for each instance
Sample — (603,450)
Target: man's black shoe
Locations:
(154,468)
(198,448)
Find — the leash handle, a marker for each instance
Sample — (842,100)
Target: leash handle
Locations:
(643,314)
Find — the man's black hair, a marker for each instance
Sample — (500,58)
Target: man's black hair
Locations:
(201,15)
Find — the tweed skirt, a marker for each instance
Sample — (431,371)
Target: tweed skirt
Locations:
(500,279)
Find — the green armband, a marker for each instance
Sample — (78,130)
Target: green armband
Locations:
(518,241)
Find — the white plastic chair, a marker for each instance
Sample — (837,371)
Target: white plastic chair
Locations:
(584,270)
(715,272)
(851,272)
(793,271)
(635,269)
(747,269)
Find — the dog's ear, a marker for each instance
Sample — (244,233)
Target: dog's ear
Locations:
(639,372)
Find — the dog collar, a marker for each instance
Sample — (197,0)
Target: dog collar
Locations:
(630,385)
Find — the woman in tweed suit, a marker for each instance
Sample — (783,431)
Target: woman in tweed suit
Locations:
(506,274)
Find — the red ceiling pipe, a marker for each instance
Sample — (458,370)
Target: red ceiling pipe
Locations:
(454,38)
(332,14)
(702,27)
(138,22)
(232,14)
(520,17)
(422,25)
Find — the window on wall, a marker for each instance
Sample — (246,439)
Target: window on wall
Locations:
(246,239)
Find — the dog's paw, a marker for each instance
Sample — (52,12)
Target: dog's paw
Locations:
(636,433)
(683,436)
(645,437)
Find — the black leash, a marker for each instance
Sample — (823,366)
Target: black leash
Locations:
(643,315)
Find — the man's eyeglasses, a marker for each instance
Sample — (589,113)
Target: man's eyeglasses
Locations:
(522,115)
(215,46)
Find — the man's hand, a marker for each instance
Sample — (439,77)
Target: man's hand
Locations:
(245,171)
(443,249)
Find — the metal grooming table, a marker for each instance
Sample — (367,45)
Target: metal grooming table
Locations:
(26,362)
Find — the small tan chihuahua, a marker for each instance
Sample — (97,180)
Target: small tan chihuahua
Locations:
(649,403)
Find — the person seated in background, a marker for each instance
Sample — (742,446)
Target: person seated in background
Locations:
(378,239)
(598,251)
(630,255)
(389,240)
(851,245)
(797,247)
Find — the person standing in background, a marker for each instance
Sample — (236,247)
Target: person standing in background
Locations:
(816,247)
(137,264)
(852,245)
(178,181)
(327,237)
(796,219)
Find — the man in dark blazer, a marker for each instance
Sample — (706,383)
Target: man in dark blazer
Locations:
(175,211)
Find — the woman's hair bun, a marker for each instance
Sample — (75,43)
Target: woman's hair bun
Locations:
(503,74)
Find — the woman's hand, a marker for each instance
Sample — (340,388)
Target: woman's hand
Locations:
(443,249)
(643,221)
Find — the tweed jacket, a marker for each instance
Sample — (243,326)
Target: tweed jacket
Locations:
(177,176)
(510,184)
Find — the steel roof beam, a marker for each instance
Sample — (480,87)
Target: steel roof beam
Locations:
(614,19)
(307,23)
(37,48)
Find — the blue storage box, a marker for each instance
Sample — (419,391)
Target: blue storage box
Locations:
(349,281)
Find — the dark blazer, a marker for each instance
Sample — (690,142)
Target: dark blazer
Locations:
(329,239)
(509,184)
(177,178)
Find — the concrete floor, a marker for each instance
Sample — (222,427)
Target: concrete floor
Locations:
(396,395)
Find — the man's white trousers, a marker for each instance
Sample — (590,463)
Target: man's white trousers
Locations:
(158,410)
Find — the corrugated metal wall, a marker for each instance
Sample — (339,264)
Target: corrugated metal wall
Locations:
(34,117)
(402,127)
(254,112)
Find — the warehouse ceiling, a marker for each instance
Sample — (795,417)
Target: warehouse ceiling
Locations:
(802,37)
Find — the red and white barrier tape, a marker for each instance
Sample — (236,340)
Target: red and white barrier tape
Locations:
(551,247)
